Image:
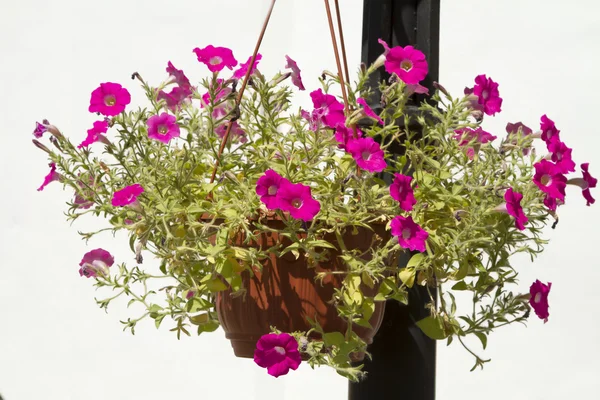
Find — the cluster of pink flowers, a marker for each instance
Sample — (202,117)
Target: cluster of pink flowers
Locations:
(276,192)
(180,93)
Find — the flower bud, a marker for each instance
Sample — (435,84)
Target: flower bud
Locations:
(39,145)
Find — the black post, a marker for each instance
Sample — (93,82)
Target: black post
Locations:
(403,364)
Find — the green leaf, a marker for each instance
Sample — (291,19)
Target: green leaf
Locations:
(407,276)
(415,260)
(460,286)
(482,337)
(432,327)
(333,339)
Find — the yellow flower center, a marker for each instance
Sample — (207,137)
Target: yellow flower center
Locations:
(406,233)
(546,180)
(406,65)
(162,129)
(272,190)
(279,350)
(296,203)
(215,60)
(110,100)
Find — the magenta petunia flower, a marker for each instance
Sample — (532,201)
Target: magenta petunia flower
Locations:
(585,183)
(344,134)
(240,73)
(95,134)
(109,99)
(549,179)
(330,109)
(416,88)
(410,235)
(180,79)
(220,92)
(40,129)
(278,353)
(313,118)
(552,203)
(95,262)
(561,155)
(267,187)
(402,191)
(127,195)
(236,132)
(51,177)
(296,78)
(473,139)
(163,127)
(367,153)
(514,209)
(548,129)
(513,129)
(368,110)
(408,63)
(296,199)
(539,299)
(488,96)
(216,58)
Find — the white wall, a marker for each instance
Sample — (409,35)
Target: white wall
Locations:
(56,344)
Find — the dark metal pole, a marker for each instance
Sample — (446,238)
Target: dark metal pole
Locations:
(403,364)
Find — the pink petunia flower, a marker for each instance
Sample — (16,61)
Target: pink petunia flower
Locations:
(163,127)
(296,78)
(40,129)
(278,353)
(51,177)
(296,199)
(552,203)
(549,179)
(416,88)
(240,73)
(488,96)
(408,63)
(513,129)
(473,139)
(236,132)
(410,235)
(561,155)
(514,209)
(127,195)
(95,134)
(548,129)
(220,92)
(402,191)
(267,187)
(216,58)
(96,262)
(368,110)
(585,183)
(109,99)
(539,299)
(329,108)
(180,79)
(343,134)
(367,153)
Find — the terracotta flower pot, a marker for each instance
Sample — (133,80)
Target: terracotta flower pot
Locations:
(285,295)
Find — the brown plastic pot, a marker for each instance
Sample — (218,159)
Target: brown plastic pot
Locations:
(285,295)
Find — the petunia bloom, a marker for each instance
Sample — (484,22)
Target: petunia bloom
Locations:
(367,153)
(267,187)
(95,262)
(178,94)
(344,134)
(40,129)
(219,91)
(473,139)
(163,127)
(109,99)
(240,73)
(236,132)
(314,119)
(514,208)
(127,195)
(278,353)
(368,110)
(330,109)
(296,78)
(216,58)
(585,183)
(51,177)
(539,299)
(561,155)
(296,199)
(179,77)
(402,191)
(410,235)
(95,134)
(549,179)
(513,129)
(488,96)
(548,129)
(408,63)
